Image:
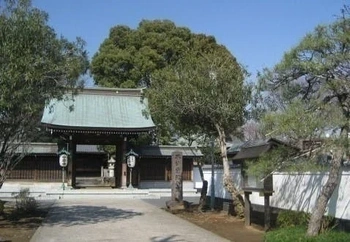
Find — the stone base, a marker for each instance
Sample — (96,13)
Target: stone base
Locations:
(177,206)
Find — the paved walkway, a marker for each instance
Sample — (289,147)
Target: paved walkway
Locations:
(116,219)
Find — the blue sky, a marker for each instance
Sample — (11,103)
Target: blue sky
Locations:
(257,32)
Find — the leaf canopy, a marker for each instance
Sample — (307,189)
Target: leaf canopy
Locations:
(35,66)
(199,92)
(129,57)
(315,76)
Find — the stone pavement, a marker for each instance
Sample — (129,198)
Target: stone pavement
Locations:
(116,219)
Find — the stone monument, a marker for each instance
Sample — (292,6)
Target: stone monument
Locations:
(176,202)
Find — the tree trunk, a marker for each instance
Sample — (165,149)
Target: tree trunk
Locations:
(315,222)
(203,198)
(237,199)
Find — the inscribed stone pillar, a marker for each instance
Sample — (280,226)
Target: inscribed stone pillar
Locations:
(176,176)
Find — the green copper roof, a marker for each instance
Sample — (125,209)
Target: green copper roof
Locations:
(99,109)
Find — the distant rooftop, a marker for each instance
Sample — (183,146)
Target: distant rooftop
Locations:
(254,148)
(167,150)
(38,148)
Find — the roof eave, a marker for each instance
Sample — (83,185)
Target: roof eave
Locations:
(79,129)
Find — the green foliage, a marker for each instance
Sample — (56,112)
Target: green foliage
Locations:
(109,149)
(298,233)
(308,89)
(276,159)
(202,95)
(302,120)
(151,54)
(308,96)
(35,66)
(25,204)
(199,93)
(141,140)
(289,218)
(283,159)
(328,223)
(129,57)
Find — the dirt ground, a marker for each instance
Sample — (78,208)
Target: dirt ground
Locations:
(19,228)
(224,225)
(16,227)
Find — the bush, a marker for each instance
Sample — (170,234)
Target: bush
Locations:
(25,203)
(289,218)
(328,223)
(298,233)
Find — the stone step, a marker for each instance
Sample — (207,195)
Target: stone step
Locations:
(55,190)
(89,182)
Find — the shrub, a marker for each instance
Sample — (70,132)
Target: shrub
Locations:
(25,203)
(298,233)
(328,223)
(289,218)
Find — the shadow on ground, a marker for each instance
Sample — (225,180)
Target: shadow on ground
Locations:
(80,215)
(170,238)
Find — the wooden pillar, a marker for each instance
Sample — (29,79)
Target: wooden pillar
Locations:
(123,174)
(70,163)
(267,211)
(71,176)
(118,158)
(247,209)
(74,163)
(35,165)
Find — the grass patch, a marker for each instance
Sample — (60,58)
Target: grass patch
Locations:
(298,233)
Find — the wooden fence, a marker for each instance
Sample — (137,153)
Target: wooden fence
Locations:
(37,168)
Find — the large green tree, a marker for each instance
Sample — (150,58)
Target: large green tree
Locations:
(204,93)
(128,57)
(195,86)
(311,86)
(35,66)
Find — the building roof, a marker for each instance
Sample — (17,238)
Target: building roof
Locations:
(235,147)
(251,152)
(38,148)
(167,150)
(99,109)
(254,148)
